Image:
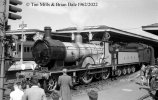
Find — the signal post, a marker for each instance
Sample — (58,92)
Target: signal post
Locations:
(8,10)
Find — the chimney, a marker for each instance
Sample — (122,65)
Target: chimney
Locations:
(47,30)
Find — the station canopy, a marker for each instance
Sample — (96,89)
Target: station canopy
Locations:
(29,33)
(153,28)
(117,35)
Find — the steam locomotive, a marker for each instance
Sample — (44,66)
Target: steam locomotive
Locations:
(85,61)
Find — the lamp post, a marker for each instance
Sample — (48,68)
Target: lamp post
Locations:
(22,26)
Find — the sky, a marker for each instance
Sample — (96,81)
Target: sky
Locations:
(128,15)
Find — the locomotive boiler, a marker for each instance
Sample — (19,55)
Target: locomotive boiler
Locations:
(48,51)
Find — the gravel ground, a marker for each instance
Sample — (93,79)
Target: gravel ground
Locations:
(102,84)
